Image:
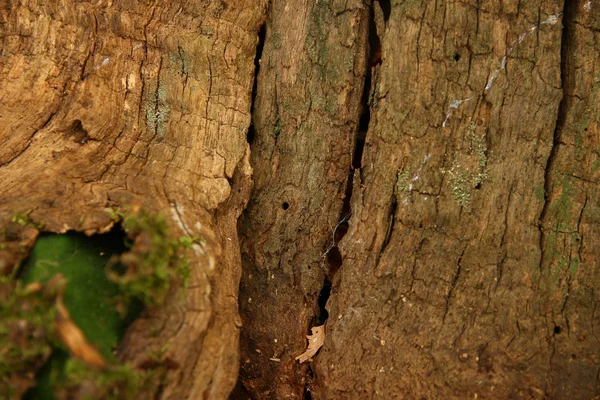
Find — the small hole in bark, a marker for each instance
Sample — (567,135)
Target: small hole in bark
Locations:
(456,57)
(78,132)
(285,205)
(557,330)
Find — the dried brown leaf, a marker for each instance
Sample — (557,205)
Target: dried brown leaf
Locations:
(315,341)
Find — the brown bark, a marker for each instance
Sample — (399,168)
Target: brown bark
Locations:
(306,115)
(468,267)
(106,104)
(460,244)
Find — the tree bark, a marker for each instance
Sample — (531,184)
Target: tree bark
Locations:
(468,267)
(109,104)
(421,177)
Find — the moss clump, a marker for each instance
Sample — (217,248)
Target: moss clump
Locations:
(26,325)
(403,182)
(69,378)
(23,219)
(30,339)
(115,382)
(154,261)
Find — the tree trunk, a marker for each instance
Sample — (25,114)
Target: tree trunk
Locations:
(421,177)
(108,104)
(468,269)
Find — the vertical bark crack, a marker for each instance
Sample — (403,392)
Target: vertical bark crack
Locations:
(262,32)
(333,255)
(566,50)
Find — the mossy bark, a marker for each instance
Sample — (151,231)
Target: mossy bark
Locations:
(424,174)
(137,104)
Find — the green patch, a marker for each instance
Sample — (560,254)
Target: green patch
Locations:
(65,377)
(89,295)
(23,219)
(103,276)
(540,193)
(575,262)
(469,169)
(403,182)
(562,208)
(154,262)
(158,110)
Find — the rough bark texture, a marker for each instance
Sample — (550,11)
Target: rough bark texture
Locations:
(106,104)
(306,115)
(460,244)
(468,268)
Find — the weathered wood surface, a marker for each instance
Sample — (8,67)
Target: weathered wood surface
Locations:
(107,104)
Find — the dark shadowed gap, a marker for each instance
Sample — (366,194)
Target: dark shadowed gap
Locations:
(390,229)
(306,395)
(322,302)
(386,7)
(262,33)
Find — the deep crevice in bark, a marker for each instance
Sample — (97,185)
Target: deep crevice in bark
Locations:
(333,255)
(569,13)
(386,7)
(262,33)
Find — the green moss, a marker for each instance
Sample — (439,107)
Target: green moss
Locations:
(403,182)
(575,262)
(562,208)
(64,377)
(154,261)
(23,219)
(115,382)
(469,169)
(27,308)
(26,326)
(89,295)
